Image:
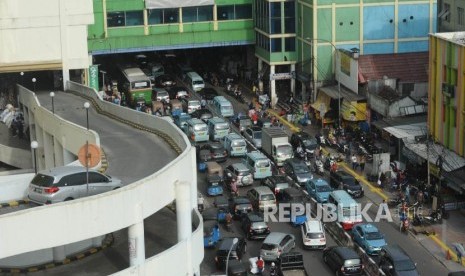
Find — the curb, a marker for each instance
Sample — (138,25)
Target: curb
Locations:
(14,203)
(283,120)
(108,241)
(104,161)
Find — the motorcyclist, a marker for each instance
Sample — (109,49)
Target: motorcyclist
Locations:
(273,270)
(234,190)
(203,103)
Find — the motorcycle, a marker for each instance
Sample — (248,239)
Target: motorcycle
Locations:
(318,167)
(405,225)
(238,94)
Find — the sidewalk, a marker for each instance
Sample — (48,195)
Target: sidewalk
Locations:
(438,244)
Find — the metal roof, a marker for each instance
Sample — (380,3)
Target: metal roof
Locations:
(452,161)
(407,131)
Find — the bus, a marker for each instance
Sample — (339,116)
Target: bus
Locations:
(136,86)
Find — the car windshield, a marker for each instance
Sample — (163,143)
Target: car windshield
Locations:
(323,188)
(297,199)
(200,127)
(226,108)
(284,149)
(352,262)
(301,169)
(315,235)
(373,236)
(267,246)
(238,143)
(243,172)
(222,126)
(163,94)
(42,180)
(310,144)
(349,211)
(257,135)
(262,163)
(256,217)
(197,82)
(242,200)
(349,181)
(194,103)
(404,265)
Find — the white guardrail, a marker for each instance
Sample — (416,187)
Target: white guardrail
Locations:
(36,228)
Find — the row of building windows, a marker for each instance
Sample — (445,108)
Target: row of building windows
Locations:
(275,44)
(460,14)
(275,17)
(171,16)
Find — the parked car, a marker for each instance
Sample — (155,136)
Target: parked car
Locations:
(67,183)
(343,260)
(276,183)
(165,81)
(178,92)
(254,135)
(297,170)
(368,237)
(227,247)
(343,179)
(239,205)
(394,261)
(275,244)
(213,151)
(202,114)
(208,93)
(319,189)
(254,226)
(239,172)
(190,106)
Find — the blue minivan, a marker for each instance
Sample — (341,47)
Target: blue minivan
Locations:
(319,189)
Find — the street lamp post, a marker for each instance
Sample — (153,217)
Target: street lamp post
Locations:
(52,95)
(235,240)
(34,146)
(86,106)
(103,79)
(34,83)
(338,57)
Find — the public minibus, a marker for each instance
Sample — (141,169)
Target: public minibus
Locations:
(235,144)
(194,81)
(197,130)
(258,164)
(347,209)
(218,128)
(223,106)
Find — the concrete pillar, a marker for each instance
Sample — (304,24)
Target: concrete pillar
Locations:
(68,157)
(193,186)
(49,159)
(274,97)
(136,241)
(260,68)
(64,26)
(40,150)
(293,80)
(59,253)
(58,150)
(184,217)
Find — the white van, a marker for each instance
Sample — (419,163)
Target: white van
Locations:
(313,234)
(194,81)
(223,106)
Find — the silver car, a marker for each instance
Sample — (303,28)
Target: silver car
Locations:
(254,135)
(162,95)
(275,244)
(68,183)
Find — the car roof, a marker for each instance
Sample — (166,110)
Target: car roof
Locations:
(319,182)
(255,216)
(227,242)
(396,252)
(240,166)
(295,161)
(63,170)
(274,237)
(292,191)
(263,189)
(255,128)
(346,252)
(302,134)
(279,178)
(344,174)
(368,228)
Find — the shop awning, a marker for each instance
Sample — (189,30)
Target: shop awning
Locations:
(353,111)
(407,131)
(322,103)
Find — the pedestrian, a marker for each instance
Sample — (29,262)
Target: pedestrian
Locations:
(228,220)
(291,100)
(260,264)
(354,162)
(362,163)
(407,193)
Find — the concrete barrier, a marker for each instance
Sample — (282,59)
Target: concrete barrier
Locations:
(19,158)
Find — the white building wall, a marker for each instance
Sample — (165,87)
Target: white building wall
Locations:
(30,33)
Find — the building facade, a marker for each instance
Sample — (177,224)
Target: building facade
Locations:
(446,109)
(451,16)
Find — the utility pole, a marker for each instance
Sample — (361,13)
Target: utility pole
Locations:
(427,157)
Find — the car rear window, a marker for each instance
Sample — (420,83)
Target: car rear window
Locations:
(352,262)
(267,246)
(200,127)
(222,126)
(267,197)
(262,163)
(42,180)
(315,235)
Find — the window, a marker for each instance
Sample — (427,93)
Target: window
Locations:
(460,16)
(197,14)
(290,45)
(275,18)
(276,45)
(128,18)
(96,178)
(243,12)
(289,17)
(225,12)
(447,8)
(163,16)
(234,12)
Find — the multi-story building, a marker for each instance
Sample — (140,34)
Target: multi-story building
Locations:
(451,15)
(446,109)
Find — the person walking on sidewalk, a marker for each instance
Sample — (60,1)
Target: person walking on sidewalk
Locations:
(354,162)
(362,162)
